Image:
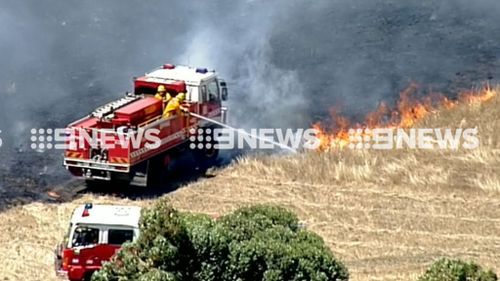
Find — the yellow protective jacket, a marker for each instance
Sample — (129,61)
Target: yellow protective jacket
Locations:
(173,107)
(165,98)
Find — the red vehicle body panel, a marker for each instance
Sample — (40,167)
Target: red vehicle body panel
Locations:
(88,123)
(139,111)
(145,111)
(88,260)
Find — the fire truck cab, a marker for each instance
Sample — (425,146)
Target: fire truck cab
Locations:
(138,112)
(95,234)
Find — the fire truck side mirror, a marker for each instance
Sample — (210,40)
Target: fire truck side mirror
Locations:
(224,94)
(223,87)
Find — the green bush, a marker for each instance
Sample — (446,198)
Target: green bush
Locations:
(253,243)
(457,270)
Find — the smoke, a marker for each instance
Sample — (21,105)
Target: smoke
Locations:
(290,61)
(235,38)
(286,62)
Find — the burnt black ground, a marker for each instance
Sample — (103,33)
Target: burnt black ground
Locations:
(287,62)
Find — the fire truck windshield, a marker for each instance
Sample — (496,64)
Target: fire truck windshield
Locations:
(85,236)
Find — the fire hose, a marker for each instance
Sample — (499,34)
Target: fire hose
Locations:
(241,131)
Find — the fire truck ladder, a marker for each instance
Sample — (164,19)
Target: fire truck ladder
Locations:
(102,111)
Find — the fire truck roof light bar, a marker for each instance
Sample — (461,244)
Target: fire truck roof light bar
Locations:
(201,70)
(86,209)
(85,213)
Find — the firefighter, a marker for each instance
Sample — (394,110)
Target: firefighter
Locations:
(174,106)
(163,95)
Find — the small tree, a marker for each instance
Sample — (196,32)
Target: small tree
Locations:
(254,243)
(457,270)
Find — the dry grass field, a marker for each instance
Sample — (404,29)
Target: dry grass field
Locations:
(386,214)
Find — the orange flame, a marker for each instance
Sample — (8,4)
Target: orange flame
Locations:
(334,133)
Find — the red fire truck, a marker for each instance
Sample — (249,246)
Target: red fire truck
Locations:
(95,234)
(112,144)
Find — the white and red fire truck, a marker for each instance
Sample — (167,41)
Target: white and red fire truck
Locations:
(129,117)
(96,233)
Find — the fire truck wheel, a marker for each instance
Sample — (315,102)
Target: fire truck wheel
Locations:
(206,157)
(88,276)
(157,170)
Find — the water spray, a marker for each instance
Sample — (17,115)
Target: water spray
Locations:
(241,131)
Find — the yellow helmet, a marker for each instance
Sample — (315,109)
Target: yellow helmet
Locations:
(161,89)
(181,96)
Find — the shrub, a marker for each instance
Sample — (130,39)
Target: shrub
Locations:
(457,270)
(253,243)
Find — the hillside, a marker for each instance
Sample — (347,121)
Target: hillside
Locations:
(387,214)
